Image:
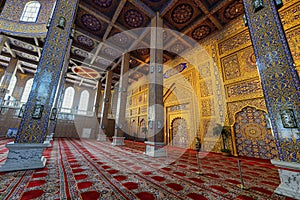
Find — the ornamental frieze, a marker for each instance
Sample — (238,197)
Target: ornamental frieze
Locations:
(234,43)
(243,88)
(290,16)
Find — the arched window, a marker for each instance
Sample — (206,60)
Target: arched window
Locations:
(31,11)
(83,102)
(26,90)
(68,100)
(11,87)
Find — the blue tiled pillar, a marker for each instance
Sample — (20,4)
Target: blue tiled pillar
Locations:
(281,87)
(33,127)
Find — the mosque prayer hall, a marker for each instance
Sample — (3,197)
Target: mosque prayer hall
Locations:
(149,99)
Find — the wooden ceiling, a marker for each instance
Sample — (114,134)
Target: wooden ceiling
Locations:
(104,29)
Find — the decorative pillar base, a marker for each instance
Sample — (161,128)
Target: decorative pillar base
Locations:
(155,149)
(102,137)
(290,180)
(24,156)
(118,141)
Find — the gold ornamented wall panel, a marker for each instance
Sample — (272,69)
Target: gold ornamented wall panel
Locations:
(244,90)
(231,67)
(207,107)
(239,65)
(290,15)
(204,70)
(205,88)
(293,37)
(234,43)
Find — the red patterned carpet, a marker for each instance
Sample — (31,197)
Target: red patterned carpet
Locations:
(85,169)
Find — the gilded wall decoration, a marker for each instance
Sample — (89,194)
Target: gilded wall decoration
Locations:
(231,67)
(293,37)
(207,107)
(143,109)
(248,60)
(244,88)
(205,70)
(205,88)
(290,16)
(234,43)
(253,138)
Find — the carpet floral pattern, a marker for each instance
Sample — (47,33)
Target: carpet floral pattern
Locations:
(86,169)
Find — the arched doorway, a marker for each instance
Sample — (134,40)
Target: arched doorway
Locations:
(179,132)
(253,137)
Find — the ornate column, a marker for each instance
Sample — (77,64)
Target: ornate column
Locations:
(280,83)
(98,100)
(155,143)
(59,93)
(26,151)
(120,126)
(9,73)
(105,107)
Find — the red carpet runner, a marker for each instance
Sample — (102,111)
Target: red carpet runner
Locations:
(85,169)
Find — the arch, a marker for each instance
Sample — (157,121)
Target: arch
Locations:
(253,137)
(68,100)
(133,129)
(142,129)
(179,132)
(83,102)
(26,90)
(31,11)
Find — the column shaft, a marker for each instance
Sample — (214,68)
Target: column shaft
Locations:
(155,143)
(121,125)
(280,83)
(106,105)
(35,121)
(9,73)
(98,100)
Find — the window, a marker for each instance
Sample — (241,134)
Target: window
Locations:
(83,102)
(26,90)
(11,87)
(68,100)
(31,11)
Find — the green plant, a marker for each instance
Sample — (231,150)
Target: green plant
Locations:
(225,150)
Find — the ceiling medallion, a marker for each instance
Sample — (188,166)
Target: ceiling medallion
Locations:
(85,41)
(103,3)
(85,72)
(143,51)
(177,48)
(133,62)
(28,56)
(91,22)
(133,18)
(233,10)
(110,52)
(23,45)
(120,38)
(81,53)
(102,61)
(182,13)
(201,32)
